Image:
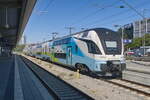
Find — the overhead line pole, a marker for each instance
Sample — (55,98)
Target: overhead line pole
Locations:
(143,17)
(70,29)
(54,35)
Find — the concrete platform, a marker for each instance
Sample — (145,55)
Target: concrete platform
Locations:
(17,82)
(6,78)
(32,89)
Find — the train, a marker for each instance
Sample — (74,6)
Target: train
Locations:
(97,50)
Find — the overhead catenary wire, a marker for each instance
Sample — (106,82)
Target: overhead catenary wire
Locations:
(131,7)
(45,8)
(116,20)
(95,12)
(111,16)
(108,18)
(82,7)
(48,5)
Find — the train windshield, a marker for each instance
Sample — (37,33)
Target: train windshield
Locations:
(111,44)
(111,47)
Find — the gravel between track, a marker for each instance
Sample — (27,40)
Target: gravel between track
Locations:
(96,88)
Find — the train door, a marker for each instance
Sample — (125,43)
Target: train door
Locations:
(69,55)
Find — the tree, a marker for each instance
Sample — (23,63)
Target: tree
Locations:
(147,39)
(137,42)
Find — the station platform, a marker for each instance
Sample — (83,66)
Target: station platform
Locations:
(6,78)
(17,82)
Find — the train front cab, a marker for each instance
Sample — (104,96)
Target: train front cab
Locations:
(109,66)
(103,51)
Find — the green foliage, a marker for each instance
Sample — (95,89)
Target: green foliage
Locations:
(137,42)
(39,53)
(19,48)
(147,39)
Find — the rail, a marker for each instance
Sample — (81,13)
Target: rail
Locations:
(57,87)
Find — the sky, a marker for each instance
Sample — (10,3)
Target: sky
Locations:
(50,16)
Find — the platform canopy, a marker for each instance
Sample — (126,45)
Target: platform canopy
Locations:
(14,15)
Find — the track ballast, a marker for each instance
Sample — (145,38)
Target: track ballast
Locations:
(57,87)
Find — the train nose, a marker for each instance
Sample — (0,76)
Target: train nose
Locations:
(107,67)
(111,66)
(109,63)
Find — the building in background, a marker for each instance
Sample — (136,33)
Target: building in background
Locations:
(141,27)
(128,31)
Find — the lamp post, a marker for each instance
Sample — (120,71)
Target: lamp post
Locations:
(122,33)
(122,30)
(145,28)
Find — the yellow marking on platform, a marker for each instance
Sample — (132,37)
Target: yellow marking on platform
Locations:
(77,74)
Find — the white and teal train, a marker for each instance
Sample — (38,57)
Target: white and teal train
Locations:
(94,50)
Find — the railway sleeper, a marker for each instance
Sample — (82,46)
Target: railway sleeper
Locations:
(73,98)
(71,91)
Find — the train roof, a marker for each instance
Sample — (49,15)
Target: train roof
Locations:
(98,30)
(107,33)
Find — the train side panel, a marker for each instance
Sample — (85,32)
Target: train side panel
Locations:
(70,54)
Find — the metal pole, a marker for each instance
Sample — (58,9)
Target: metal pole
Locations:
(122,37)
(122,28)
(122,32)
(135,10)
(54,35)
(145,29)
(144,36)
(70,29)
(140,32)
(6,24)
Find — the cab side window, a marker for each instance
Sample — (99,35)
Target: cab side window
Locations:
(92,47)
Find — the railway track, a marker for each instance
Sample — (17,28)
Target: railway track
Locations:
(57,87)
(126,84)
(138,88)
(147,59)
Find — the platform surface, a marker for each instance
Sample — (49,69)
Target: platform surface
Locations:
(6,78)
(17,82)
